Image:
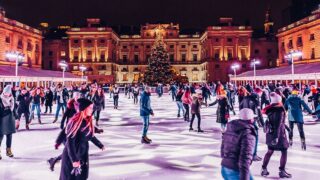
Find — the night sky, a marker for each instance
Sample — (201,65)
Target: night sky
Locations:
(188,13)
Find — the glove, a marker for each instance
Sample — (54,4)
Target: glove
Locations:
(274,142)
(56,146)
(76,171)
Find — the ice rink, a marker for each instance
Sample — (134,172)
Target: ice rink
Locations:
(175,154)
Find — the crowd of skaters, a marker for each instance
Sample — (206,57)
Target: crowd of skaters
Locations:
(80,105)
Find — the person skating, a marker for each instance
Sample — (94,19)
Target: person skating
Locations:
(238,144)
(178,98)
(145,112)
(187,101)
(23,100)
(99,104)
(316,99)
(48,100)
(36,96)
(252,102)
(173,91)
(79,130)
(7,119)
(197,101)
(223,109)
(276,138)
(135,94)
(294,106)
(61,98)
(72,108)
(115,93)
(159,90)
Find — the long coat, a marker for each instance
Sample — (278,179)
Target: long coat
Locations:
(77,149)
(7,121)
(98,102)
(294,106)
(276,128)
(222,110)
(49,98)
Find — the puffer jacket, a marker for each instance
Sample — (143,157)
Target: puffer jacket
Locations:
(237,147)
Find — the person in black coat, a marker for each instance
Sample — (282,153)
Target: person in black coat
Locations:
(276,137)
(223,109)
(7,119)
(238,144)
(98,104)
(24,100)
(252,102)
(79,130)
(48,100)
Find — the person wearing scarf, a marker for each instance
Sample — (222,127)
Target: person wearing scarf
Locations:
(79,130)
(7,120)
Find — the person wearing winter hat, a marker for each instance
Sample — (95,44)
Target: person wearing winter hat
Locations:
(276,138)
(294,106)
(195,109)
(7,119)
(79,131)
(238,144)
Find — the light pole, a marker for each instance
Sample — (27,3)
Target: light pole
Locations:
(63,66)
(235,67)
(254,63)
(291,56)
(15,56)
(82,69)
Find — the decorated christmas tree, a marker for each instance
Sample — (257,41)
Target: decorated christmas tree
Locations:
(159,69)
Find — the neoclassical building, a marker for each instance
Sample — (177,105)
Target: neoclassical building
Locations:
(116,57)
(15,36)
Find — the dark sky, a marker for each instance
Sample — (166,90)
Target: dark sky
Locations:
(188,13)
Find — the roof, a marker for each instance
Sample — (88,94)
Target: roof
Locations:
(32,72)
(300,70)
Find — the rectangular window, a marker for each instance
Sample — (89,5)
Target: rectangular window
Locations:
(269,51)
(89,53)
(313,55)
(148,46)
(299,41)
(76,41)
(256,51)
(7,39)
(124,47)
(217,39)
(171,57)
(20,44)
(194,77)
(136,58)
(125,58)
(217,66)
(290,44)
(148,57)
(195,46)
(244,66)
(229,40)
(50,53)
(217,54)
(183,46)
(102,41)
(136,47)
(171,46)
(195,57)
(102,55)
(243,53)
(62,53)
(312,37)
(125,77)
(89,41)
(75,68)
(76,55)
(183,57)
(229,54)
(50,65)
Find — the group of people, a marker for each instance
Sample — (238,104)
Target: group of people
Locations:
(82,105)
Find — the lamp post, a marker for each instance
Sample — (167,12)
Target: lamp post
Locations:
(254,63)
(63,66)
(15,56)
(235,67)
(82,69)
(291,56)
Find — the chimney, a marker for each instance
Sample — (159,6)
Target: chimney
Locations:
(91,22)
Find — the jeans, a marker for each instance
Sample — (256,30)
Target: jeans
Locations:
(230,174)
(33,107)
(59,106)
(9,140)
(186,114)
(173,95)
(145,125)
(300,128)
(115,101)
(283,160)
(199,120)
(97,115)
(180,107)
